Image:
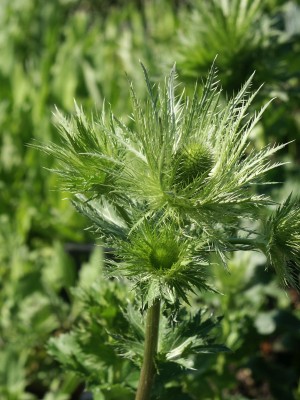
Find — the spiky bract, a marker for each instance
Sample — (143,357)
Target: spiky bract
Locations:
(283,241)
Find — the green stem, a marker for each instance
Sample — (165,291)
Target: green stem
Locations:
(150,349)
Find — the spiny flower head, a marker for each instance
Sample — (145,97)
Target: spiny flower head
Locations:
(162,261)
(191,157)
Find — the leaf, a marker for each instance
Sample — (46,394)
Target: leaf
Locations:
(189,336)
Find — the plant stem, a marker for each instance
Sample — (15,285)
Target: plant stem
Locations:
(151,339)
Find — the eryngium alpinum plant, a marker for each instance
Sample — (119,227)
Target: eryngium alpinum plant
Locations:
(172,188)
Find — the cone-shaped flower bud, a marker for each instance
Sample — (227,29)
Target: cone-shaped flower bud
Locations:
(164,255)
(194,161)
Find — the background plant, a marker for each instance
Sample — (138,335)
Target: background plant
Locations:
(247,36)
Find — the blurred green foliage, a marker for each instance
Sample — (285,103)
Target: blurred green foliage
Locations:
(58,51)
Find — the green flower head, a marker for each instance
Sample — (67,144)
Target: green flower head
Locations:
(190,157)
(183,157)
(162,261)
